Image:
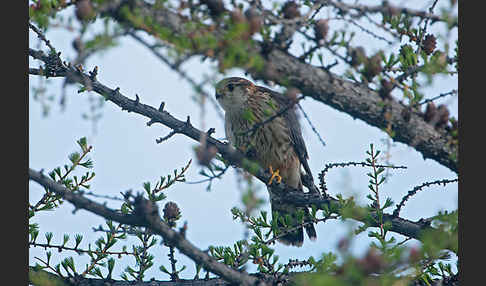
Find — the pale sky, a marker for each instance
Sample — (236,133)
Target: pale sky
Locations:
(125,155)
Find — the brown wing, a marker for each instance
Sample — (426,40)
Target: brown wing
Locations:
(293,123)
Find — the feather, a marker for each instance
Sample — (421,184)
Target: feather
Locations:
(293,123)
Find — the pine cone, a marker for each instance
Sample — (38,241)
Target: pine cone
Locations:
(171,213)
(443,116)
(321,28)
(358,56)
(429,44)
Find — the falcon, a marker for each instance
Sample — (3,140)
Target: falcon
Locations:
(274,142)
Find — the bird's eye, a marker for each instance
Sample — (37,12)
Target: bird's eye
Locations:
(231,87)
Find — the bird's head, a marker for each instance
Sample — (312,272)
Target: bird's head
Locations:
(233,93)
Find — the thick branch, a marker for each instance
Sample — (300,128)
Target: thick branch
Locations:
(399,225)
(361,102)
(383,9)
(147,215)
(42,277)
(355,99)
(231,155)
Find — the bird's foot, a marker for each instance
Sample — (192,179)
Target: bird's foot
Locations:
(275,175)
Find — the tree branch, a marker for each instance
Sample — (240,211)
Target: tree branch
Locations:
(357,100)
(230,154)
(147,215)
(383,9)
(41,277)
(399,225)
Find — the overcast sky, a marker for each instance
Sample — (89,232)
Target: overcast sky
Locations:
(125,154)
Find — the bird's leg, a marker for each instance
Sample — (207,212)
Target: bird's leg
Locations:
(275,174)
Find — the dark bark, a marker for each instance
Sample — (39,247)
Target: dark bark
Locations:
(399,225)
(357,100)
(36,276)
(231,155)
(146,214)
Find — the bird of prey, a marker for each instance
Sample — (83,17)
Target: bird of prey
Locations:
(274,142)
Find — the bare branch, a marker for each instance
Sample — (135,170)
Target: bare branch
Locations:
(36,273)
(176,67)
(147,215)
(314,129)
(382,9)
(399,225)
(42,37)
(233,156)
(452,92)
(411,193)
(329,166)
(355,99)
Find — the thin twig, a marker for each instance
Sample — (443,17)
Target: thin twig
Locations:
(42,37)
(452,92)
(217,176)
(382,9)
(368,31)
(176,67)
(101,196)
(382,26)
(255,126)
(289,230)
(322,174)
(79,250)
(95,261)
(424,30)
(312,126)
(375,190)
(173,276)
(412,192)
(234,157)
(147,218)
(162,139)
(50,267)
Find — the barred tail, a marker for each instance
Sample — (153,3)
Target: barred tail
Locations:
(296,236)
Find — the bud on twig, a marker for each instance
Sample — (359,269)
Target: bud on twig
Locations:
(385,89)
(373,67)
(430,112)
(443,116)
(84,10)
(171,213)
(255,20)
(358,56)
(290,10)
(321,28)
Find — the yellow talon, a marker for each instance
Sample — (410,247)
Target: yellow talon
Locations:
(275,174)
